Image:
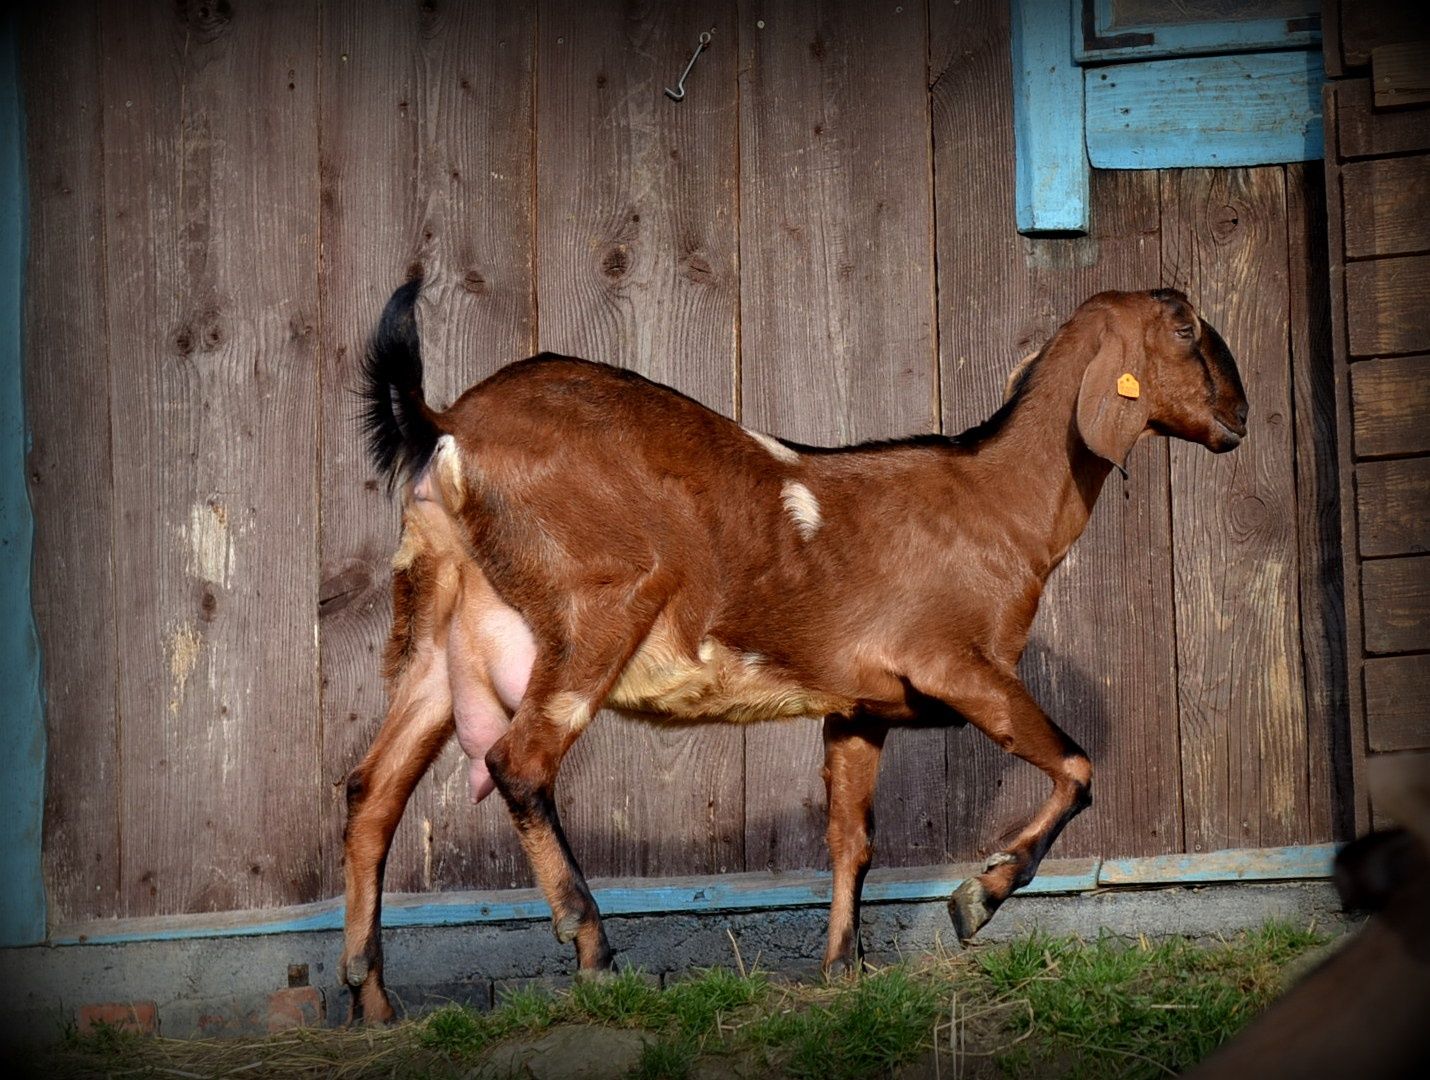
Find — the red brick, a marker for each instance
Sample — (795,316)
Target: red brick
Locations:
(140,1016)
(298,1006)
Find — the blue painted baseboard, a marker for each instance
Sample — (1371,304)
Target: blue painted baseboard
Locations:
(724,893)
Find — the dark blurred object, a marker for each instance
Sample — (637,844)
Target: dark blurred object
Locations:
(1364,1012)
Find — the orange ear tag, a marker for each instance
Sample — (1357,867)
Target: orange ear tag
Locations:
(1128,386)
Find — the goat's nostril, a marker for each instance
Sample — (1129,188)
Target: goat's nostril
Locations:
(1242,411)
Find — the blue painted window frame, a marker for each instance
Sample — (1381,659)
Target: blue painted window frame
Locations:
(1095,38)
(1188,96)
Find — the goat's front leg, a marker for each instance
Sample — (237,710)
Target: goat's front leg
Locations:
(418,725)
(997,704)
(851,770)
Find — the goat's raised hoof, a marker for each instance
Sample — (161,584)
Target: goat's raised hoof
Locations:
(566,928)
(355,970)
(968,909)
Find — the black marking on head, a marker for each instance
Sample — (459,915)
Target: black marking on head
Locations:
(1218,358)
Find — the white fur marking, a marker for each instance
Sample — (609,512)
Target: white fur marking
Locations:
(803,507)
(570,709)
(778,450)
(447,463)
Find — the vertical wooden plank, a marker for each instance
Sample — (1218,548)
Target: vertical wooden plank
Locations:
(1343,101)
(22,724)
(1101,658)
(70,470)
(638,257)
(426,161)
(1243,705)
(837,329)
(1323,631)
(211,225)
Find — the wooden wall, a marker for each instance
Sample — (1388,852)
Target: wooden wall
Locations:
(1378,176)
(818,240)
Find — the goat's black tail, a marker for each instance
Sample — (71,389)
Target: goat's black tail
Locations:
(401,429)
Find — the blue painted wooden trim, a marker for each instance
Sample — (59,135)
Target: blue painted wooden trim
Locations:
(1220,36)
(689,895)
(1052,173)
(726,893)
(1313,861)
(1251,109)
(22,728)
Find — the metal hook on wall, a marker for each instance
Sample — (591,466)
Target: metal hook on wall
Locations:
(678,94)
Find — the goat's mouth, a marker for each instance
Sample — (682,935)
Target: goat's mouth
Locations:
(1230,437)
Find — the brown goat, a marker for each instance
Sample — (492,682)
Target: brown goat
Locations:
(575,536)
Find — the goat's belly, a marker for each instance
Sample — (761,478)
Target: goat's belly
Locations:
(718,683)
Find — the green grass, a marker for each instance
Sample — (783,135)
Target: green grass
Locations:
(1038,1007)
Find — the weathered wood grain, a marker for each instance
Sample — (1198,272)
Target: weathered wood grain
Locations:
(1398,72)
(1243,708)
(426,131)
(1396,598)
(1385,305)
(1396,704)
(210,260)
(837,329)
(1391,403)
(1318,522)
(639,256)
(1365,132)
(1331,39)
(1393,503)
(1101,658)
(1367,24)
(1336,103)
(1385,204)
(70,469)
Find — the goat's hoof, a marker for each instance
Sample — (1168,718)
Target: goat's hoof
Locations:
(968,908)
(842,967)
(566,928)
(595,974)
(355,970)
(373,1006)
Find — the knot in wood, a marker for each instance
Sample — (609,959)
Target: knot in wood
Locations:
(616,261)
(1225,220)
(209,19)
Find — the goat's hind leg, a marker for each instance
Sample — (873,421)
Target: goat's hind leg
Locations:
(560,701)
(418,725)
(851,770)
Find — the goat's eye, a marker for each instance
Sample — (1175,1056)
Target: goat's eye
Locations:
(1183,332)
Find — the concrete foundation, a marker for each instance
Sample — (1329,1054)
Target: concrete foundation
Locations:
(252,984)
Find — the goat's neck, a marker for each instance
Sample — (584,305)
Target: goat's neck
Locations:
(1037,467)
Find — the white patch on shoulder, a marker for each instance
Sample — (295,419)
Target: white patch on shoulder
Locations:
(778,450)
(803,507)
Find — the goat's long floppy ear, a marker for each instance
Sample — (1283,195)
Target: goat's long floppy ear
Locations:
(1112,403)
